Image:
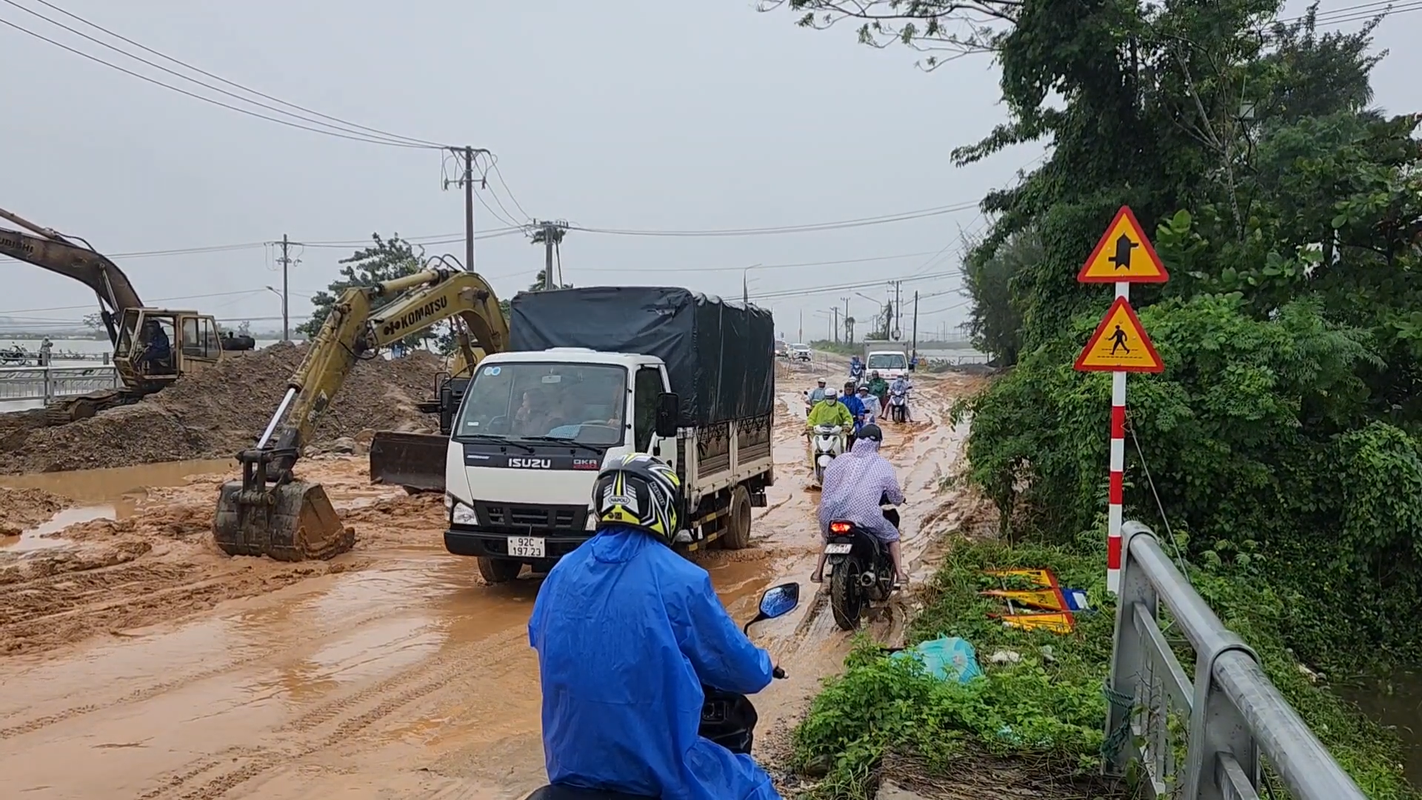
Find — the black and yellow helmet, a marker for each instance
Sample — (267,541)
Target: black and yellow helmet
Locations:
(638,491)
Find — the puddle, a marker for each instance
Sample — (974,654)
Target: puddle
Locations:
(38,537)
(99,494)
(118,487)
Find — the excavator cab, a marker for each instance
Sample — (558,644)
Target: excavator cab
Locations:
(157,346)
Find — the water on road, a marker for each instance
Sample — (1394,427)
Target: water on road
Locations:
(144,664)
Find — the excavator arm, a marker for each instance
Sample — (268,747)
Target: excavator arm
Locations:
(271,513)
(47,249)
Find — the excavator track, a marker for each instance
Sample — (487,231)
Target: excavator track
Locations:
(73,409)
(290,522)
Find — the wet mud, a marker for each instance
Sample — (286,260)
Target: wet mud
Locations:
(168,670)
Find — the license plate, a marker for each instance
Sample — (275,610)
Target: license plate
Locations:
(525,547)
(838,549)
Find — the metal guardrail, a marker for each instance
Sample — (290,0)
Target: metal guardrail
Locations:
(1231,718)
(48,383)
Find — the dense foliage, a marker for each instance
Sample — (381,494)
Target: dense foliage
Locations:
(1283,443)
(1046,707)
(1289,215)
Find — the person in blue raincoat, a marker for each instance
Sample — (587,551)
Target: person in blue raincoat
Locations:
(851,401)
(626,631)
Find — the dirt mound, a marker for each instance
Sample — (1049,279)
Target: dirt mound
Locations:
(215,413)
(25,508)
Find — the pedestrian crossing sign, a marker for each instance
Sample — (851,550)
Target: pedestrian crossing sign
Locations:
(1120,344)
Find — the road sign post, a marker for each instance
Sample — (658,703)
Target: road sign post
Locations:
(1123,256)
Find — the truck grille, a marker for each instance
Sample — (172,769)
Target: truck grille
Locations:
(541,517)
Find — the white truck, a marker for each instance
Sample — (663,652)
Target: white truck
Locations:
(885,356)
(593,374)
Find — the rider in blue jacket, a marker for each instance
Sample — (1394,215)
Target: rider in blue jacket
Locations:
(627,631)
(851,401)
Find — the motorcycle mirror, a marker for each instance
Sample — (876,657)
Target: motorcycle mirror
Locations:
(777,602)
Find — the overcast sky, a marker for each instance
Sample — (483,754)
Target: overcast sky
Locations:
(637,114)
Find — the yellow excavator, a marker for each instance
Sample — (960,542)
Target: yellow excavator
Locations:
(272,513)
(152,346)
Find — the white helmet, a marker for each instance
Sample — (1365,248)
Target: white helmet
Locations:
(831,394)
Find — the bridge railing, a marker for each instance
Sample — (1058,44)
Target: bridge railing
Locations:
(48,383)
(1206,737)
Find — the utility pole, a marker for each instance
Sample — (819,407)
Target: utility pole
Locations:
(467,154)
(550,234)
(835,329)
(286,262)
(915,325)
(800,331)
(898,309)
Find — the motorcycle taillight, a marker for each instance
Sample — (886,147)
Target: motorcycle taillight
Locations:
(839,527)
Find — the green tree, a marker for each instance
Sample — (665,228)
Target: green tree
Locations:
(1290,217)
(995,323)
(383,260)
(536,286)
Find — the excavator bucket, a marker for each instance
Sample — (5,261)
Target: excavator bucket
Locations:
(288,522)
(412,460)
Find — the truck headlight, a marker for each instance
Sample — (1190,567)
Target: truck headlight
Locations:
(461,514)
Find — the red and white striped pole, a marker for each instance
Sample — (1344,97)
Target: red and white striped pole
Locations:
(1118,468)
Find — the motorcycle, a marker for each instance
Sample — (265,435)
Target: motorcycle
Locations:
(826,442)
(898,405)
(862,569)
(727,718)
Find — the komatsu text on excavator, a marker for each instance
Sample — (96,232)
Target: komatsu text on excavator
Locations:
(152,346)
(269,511)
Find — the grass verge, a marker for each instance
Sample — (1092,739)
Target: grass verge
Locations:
(1035,724)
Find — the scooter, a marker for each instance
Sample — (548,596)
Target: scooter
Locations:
(862,569)
(727,718)
(826,442)
(898,405)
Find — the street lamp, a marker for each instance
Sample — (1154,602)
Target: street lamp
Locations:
(745,283)
(285,320)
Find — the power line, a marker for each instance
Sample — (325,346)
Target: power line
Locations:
(221,79)
(780,293)
(783,229)
(356,138)
(494,165)
(1357,11)
(759,267)
(159,300)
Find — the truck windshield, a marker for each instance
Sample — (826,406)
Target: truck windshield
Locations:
(585,403)
(887,361)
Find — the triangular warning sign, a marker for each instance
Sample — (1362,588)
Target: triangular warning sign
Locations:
(1123,255)
(1120,344)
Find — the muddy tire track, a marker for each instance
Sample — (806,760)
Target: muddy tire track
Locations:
(341,721)
(150,691)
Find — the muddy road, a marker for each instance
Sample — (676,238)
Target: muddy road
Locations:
(138,662)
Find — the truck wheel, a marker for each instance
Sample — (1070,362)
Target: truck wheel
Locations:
(738,521)
(498,570)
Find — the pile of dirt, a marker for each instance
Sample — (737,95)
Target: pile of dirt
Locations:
(21,509)
(217,412)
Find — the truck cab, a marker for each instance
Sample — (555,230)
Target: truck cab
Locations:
(532,432)
(890,364)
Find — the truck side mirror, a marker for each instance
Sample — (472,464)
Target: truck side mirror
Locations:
(668,414)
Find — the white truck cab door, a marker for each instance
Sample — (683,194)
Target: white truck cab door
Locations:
(648,385)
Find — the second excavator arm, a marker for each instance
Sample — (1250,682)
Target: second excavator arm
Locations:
(50,250)
(269,512)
